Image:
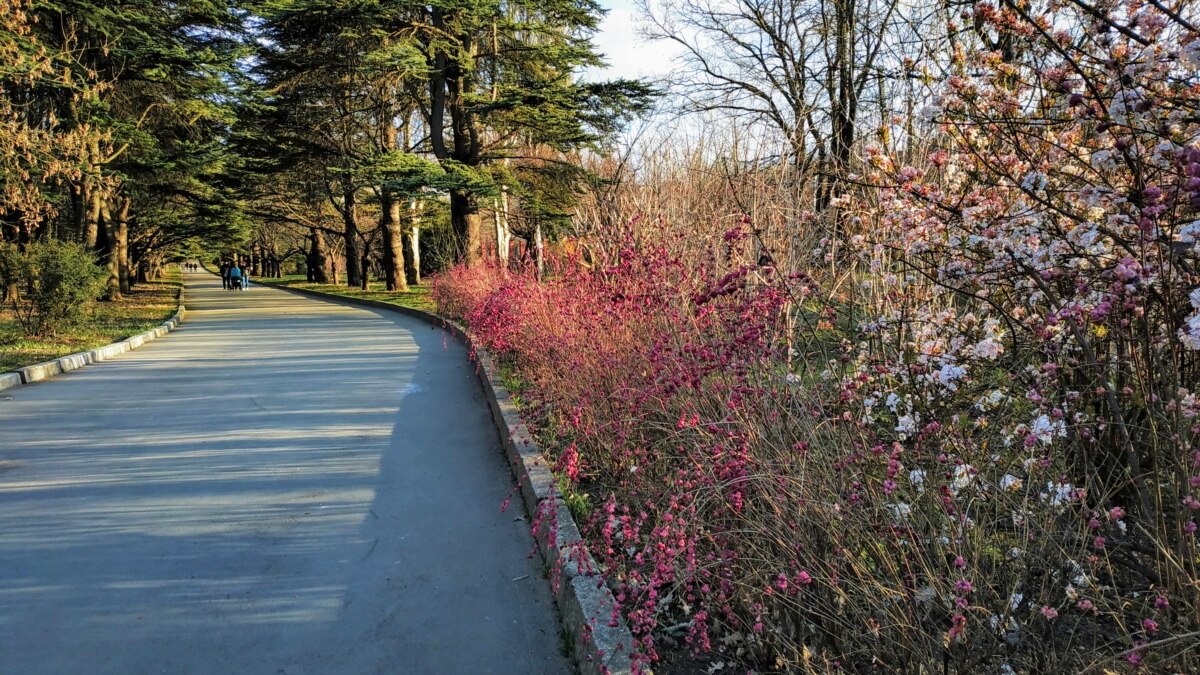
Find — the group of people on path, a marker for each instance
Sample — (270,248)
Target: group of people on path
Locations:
(234,278)
(191,267)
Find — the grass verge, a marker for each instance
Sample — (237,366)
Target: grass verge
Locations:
(144,307)
(417,297)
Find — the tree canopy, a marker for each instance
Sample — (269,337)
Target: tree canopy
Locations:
(143,128)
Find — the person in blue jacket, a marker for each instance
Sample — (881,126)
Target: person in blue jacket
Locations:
(235,277)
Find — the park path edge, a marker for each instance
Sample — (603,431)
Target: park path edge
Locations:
(600,637)
(65,364)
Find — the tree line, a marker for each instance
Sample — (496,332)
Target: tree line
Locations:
(146,130)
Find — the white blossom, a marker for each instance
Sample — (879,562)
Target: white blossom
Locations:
(988,349)
(892,401)
(1189,56)
(1015,600)
(1058,494)
(1190,233)
(1103,160)
(1046,429)
(900,511)
(963,477)
(1189,335)
(1123,105)
(1010,482)
(1034,181)
(949,374)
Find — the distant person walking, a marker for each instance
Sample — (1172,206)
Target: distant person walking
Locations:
(235,277)
(224,269)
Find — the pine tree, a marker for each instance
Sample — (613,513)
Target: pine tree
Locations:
(166,68)
(502,78)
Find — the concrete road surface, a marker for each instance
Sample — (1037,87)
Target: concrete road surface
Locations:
(281,486)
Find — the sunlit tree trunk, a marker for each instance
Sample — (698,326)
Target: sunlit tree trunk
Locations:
(412,248)
(393,244)
(123,269)
(109,245)
(318,258)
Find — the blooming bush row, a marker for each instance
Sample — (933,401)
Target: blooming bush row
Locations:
(971,443)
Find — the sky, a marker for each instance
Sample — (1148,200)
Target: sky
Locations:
(628,54)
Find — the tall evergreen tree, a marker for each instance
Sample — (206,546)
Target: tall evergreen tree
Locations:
(502,78)
(167,69)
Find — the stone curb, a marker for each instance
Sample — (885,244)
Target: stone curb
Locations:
(48,369)
(601,638)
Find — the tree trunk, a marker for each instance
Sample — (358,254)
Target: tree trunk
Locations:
(318,258)
(412,246)
(350,235)
(539,252)
(91,226)
(107,228)
(393,246)
(79,217)
(451,82)
(123,270)
(465,221)
(93,196)
(502,234)
(364,270)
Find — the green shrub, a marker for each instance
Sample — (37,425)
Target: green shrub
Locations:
(52,284)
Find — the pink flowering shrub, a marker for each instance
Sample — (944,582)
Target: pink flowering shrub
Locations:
(970,444)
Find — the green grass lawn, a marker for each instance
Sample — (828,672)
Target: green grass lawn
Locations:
(144,307)
(417,297)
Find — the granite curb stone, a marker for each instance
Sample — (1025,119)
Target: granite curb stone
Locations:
(601,638)
(65,364)
(9,380)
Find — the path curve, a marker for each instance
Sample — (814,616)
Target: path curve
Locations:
(281,486)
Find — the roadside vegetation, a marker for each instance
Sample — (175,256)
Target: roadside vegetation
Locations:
(875,347)
(144,307)
(947,421)
(416,297)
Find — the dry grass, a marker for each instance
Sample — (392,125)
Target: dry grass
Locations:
(144,307)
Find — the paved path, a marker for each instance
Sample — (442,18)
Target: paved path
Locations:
(281,486)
